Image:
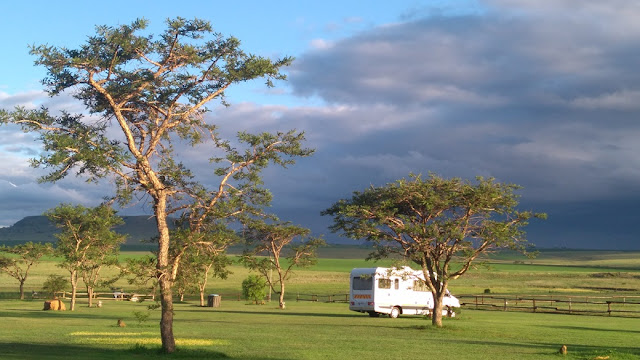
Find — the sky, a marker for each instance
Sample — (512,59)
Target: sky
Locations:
(543,94)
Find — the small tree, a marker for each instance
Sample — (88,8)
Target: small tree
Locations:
(24,257)
(270,244)
(254,287)
(86,242)
(198,247)
(185,281)
(54,284)
(442,225)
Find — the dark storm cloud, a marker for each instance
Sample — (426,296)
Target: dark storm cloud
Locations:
(540,95)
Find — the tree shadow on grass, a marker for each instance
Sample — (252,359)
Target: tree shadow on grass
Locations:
(63,351)
(583,328)
(41,314)
(284,312)
(548,349)
(12,350)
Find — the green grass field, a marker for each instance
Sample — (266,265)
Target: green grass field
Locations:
(317,330)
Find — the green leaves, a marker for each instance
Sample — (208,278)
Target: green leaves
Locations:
(434,219)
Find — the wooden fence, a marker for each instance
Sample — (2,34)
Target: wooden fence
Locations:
(323,298)
(628,306)
(117,295)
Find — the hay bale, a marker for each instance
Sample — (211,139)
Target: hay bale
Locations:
(55,304)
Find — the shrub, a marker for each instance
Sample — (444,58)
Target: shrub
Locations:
(53,284)
(254,287)
(487,291)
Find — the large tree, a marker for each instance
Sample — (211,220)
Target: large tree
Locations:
(23,257)
(272,246)
(442,225)
(86,242)
(146,94)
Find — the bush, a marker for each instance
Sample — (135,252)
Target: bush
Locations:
(487,291)
(254,287)
(53,284)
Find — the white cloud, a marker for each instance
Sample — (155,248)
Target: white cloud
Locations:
(321,44)
(619,100)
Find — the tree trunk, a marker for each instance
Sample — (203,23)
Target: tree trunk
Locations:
(203,285)
(74,290)
(164,277)
(436,317)
(281,295)
(90,295)
(22,289)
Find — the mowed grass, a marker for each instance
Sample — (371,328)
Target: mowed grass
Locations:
(306,331)
(316,330)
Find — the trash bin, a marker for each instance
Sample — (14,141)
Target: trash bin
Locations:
(213,300)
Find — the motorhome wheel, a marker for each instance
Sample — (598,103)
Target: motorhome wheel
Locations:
(395,312)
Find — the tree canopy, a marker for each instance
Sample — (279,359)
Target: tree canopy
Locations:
(86,242)
(25,256)
(144,95)
(442,225)
(269,244)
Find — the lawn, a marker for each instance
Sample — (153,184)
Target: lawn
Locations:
(317,330)
(307,331)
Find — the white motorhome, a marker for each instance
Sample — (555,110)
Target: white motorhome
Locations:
(394,291)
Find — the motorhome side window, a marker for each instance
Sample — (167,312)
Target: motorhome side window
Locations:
(396,284)
(419,285)
(384,284)
(362,283)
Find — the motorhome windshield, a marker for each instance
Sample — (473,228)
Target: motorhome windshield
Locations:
(362,283)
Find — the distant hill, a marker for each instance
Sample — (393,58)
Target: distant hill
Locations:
(40,229)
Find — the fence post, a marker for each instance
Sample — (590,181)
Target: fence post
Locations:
(534,305)
(476,301)
(505,304)
(609,307)
(569,305)
(298,297)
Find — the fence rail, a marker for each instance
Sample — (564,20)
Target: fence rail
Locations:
(323,298)
(117,295)
(622,306)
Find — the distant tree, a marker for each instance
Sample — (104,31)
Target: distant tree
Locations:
(141,272)
(196,269)
(254,288)
(154,90)
(24,256)
(54,284)
(442,225)
(185,281)
(269,245)
(86,242)
(199,244)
